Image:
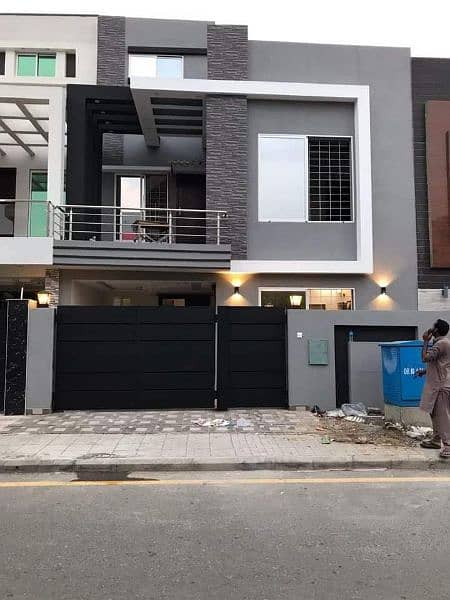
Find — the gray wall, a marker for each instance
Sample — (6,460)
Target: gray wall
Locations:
(227,135)
(39,386)
(165,33)
(295,241)
(365,373)
(171,148)
(387,72)
(309,385)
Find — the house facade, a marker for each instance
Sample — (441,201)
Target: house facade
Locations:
(152,162)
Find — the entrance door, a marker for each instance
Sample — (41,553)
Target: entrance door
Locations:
(143,200)
(7,192)
(251,360)
(361,334)
(191,195)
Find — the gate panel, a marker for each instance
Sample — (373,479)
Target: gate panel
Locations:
(251,357)
(134,357)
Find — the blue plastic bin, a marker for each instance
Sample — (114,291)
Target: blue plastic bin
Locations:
(400,361)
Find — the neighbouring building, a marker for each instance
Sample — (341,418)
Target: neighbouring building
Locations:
(151,162)
(431,118)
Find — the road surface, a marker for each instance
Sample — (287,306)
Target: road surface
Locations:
(226,536)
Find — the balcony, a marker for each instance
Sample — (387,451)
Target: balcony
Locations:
(118,237)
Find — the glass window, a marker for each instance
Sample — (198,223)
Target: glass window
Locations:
(283,299)
(131,192)
(71,64)
(330,179)
(151,65)
(38,208)
(311,299)
(141,65)
(282,178)
(169,67)
(42,65)
(46,65)
(26,65)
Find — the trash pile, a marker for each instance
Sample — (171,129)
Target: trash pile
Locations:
(356,423)
(218,423)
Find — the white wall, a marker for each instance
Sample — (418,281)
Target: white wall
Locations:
(47,32)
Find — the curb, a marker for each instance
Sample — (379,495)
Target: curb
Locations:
(189,464)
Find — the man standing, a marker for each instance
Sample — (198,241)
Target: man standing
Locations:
(436,392)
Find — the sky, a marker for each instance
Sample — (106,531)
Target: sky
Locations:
(422,25)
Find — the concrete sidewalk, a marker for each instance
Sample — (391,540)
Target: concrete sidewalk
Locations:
(177,440)
(190,451)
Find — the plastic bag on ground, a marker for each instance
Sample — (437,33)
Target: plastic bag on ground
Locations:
(354,410)
(337,413)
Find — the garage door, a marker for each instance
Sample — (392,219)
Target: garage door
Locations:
(134,357)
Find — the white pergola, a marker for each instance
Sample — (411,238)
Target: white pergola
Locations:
(31,117)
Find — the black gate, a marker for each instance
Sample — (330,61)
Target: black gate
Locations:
(134,357)
(251,363)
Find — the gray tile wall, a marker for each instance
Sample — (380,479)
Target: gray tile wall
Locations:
(111,70)
(430,81)
(227,135)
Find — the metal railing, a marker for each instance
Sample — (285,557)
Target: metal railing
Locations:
(150,225)
(26,218)
(39,218)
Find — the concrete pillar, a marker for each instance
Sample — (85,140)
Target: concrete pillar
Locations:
(52,286)
(39,385)
(16,357)
(56,138)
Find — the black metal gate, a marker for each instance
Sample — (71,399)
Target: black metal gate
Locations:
(134,357)
(251,363)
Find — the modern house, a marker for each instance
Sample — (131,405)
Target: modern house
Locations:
(152,162)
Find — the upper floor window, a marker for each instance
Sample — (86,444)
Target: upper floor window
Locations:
(153,65)
(36,65)
(304,178)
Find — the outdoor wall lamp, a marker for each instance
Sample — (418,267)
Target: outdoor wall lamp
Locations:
(237,290)
(383,290)
(43,298)
(296,301)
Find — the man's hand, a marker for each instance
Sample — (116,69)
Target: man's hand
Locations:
(427,335)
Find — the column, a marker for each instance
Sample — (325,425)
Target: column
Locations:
(56,151)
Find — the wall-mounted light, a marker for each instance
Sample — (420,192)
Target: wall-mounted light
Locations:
(236,290)
(383,290)
(296,301)
(43,298)
(445,291)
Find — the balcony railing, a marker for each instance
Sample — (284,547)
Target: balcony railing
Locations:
(111,223)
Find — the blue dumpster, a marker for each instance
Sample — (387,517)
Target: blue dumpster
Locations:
(400,361)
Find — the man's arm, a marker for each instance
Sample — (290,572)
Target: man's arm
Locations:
(429,354)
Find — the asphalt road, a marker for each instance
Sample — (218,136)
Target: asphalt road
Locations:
(252,536)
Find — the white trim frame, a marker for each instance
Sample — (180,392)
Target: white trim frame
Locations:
(307,291)
(359,95)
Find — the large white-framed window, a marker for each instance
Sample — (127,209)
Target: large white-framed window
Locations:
(282,177)
(304,298)
(156,65)
(305,178)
